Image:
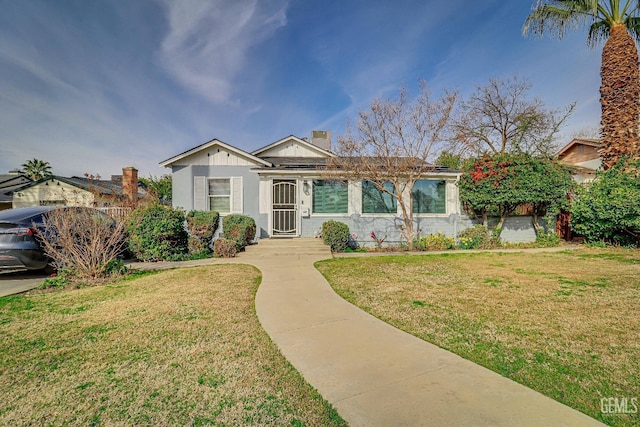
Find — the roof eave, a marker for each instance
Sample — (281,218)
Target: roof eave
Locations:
(300,140)
(167,163)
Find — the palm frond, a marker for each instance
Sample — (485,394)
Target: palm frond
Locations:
(554,16)
(630,8)
(633,26)
(598,31)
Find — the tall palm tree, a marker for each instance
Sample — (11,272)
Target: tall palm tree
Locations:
(618,22)
(36,169)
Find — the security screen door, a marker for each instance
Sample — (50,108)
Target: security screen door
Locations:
(285,208)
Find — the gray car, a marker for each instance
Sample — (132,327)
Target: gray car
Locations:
(19,246)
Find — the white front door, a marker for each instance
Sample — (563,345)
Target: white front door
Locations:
(284,208)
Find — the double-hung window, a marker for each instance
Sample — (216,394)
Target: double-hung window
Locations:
(220,195)
(376,201)
(430,197)
(330,196)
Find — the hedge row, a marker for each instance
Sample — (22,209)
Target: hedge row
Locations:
(157,233)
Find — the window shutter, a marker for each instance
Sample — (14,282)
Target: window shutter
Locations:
(200,193)
(236,195)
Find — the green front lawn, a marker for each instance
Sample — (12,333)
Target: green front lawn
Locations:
(181,347)
(565,323)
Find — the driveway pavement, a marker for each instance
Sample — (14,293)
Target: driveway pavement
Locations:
(19,281)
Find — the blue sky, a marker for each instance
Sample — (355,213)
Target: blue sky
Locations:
(92,86)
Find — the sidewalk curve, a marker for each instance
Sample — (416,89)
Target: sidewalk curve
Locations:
(371,372)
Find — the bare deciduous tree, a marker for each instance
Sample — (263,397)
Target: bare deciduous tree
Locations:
(82,239)
(391,143)
(501,117)
(587,132)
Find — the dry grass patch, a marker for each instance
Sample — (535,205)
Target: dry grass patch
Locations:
(565,324)
(182,347)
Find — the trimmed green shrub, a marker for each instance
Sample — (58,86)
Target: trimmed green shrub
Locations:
(201,226)
(478,237)
(434,242)
(336,235)
(239,228)
(225,248)
(608,209)
(157,233)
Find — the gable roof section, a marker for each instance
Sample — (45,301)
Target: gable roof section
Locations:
(300,141)
(576,141)
(45,179)
(8,186)
(11,180)
(210,144)
(86,184)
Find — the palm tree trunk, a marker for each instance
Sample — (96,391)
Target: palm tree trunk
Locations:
(619,97)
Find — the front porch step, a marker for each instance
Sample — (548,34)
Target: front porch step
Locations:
(293,241)
(293,246)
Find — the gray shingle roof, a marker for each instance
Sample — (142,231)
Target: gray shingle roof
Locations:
(306,163)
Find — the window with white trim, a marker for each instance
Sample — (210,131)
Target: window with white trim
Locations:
(376,201)
(220,195)
(330,196)
(430,196)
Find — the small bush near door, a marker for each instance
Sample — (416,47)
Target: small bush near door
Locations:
(239,228)
(224,248)
(201,225)
(336,235)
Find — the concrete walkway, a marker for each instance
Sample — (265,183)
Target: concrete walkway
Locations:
(373,373)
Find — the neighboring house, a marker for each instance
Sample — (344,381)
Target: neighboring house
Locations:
(283,187)
(79,191)
(583,156)
(8,183)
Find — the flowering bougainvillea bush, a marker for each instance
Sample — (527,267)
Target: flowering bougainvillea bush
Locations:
(498,184)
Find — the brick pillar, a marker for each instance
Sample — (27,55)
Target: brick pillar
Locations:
(130,182)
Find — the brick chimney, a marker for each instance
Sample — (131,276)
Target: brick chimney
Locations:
(130,182)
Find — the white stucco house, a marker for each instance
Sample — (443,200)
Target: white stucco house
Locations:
(283,187)
(77,191)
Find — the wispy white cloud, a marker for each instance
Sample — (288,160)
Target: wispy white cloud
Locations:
(208,42)
(92,87)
